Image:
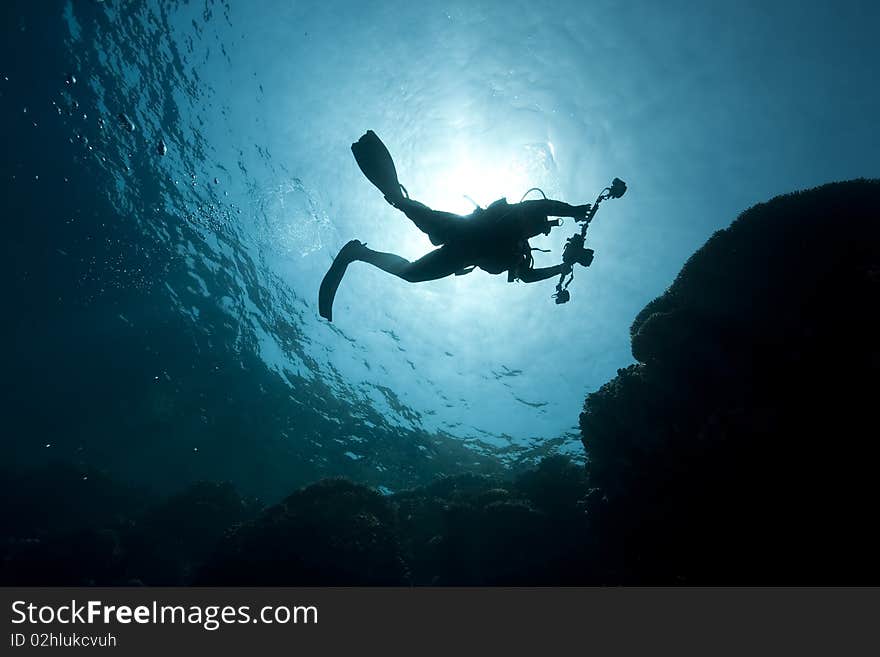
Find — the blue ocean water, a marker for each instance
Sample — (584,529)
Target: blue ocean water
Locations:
(178,179)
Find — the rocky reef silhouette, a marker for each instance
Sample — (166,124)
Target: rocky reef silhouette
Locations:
(475,529)
(740,448)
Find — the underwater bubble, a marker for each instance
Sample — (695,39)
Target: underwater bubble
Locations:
(126,122)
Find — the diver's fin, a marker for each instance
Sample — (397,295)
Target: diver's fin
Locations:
(376,163)
(333,277)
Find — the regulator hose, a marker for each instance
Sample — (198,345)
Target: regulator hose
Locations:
(533,189)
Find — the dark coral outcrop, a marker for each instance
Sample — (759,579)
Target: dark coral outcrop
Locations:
(334,532)
(742,446)
(460,530)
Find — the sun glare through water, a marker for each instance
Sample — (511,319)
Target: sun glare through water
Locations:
(459,177)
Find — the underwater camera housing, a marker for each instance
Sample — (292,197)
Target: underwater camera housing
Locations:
(575,252)
(562,296)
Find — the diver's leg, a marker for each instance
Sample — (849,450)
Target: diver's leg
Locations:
(327,292)
(439,263)
(390,262)
(439,226)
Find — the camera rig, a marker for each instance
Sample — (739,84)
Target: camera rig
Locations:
(575,252)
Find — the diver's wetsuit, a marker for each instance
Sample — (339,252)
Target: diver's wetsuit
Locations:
(494,239)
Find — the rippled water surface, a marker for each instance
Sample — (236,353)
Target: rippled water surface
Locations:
(180,178)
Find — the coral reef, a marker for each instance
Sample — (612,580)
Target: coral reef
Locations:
(741,448)
(467,529)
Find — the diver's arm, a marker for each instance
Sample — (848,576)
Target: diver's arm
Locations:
(551,208)
(534,275)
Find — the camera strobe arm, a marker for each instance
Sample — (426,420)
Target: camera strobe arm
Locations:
(575,252)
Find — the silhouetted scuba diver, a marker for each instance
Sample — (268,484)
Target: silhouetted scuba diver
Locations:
(495,239)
